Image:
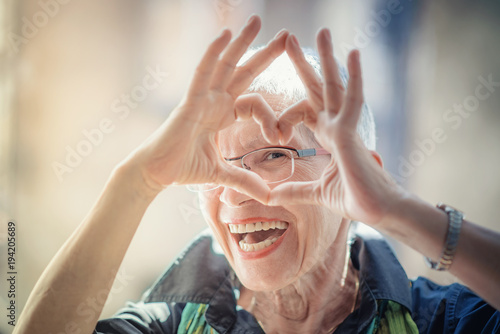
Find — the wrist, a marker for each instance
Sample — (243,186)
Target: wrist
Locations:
(129,177)
(416,223)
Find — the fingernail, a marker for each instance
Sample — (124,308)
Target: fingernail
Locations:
(251,19)
(328,35)
(294,40)
(280,33)
(222,32)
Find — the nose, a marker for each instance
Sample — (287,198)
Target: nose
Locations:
(233,198)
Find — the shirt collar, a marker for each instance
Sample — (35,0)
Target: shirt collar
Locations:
(381,277)
(201,274)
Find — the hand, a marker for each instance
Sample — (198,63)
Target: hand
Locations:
(184,149)
(354,184)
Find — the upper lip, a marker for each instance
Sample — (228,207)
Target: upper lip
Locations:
(252,220)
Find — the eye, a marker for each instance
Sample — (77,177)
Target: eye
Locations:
(275,155)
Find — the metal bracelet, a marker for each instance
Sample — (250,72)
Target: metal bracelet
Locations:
(455,219)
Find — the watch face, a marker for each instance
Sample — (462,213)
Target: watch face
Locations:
(448,208)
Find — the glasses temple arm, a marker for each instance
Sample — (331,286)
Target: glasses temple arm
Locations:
(312,152)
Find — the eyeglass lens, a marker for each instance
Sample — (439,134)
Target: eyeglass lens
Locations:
(271,164)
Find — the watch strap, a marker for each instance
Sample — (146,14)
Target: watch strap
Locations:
(455,219)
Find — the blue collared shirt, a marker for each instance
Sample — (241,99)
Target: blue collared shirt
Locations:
(201,274)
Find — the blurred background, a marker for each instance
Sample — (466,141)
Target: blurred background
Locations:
(73,104)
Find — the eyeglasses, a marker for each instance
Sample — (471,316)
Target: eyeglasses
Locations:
(272,164)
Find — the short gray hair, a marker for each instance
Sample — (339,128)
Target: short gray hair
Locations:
(281,78)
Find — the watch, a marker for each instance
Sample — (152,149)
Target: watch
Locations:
(455,219)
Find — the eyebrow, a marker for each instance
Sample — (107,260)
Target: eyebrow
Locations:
(251,145)
(255,143)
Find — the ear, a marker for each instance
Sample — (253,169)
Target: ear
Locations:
(377,158)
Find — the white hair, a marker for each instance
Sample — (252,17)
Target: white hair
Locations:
(281,78)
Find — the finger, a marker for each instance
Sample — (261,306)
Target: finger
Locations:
(254,105)
(226,65)
(354,98)
(293,115)
(246,73)
(294,193)
(204,70)
(333,90)
(307,74)
(244,181)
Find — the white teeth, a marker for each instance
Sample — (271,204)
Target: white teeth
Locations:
(255,227)
(260,226)
(258,246)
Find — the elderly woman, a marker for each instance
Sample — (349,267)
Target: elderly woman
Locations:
(282,163)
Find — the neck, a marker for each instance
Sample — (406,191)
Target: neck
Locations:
(317,302)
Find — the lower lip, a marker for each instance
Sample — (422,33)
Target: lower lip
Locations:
(260,253)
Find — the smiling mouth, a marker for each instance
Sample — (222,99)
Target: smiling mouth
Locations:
(253,237)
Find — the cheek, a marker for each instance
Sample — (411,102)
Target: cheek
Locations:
(317,228)
(307,170)
(209,205)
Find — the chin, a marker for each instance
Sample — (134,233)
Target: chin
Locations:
(265,278)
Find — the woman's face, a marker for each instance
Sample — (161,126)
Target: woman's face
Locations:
(301,233)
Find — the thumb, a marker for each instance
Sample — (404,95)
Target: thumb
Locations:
(295,193)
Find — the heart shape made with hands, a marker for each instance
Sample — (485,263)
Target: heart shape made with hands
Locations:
(276,130)
(217,89)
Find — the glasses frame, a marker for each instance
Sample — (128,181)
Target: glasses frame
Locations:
(308,152)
